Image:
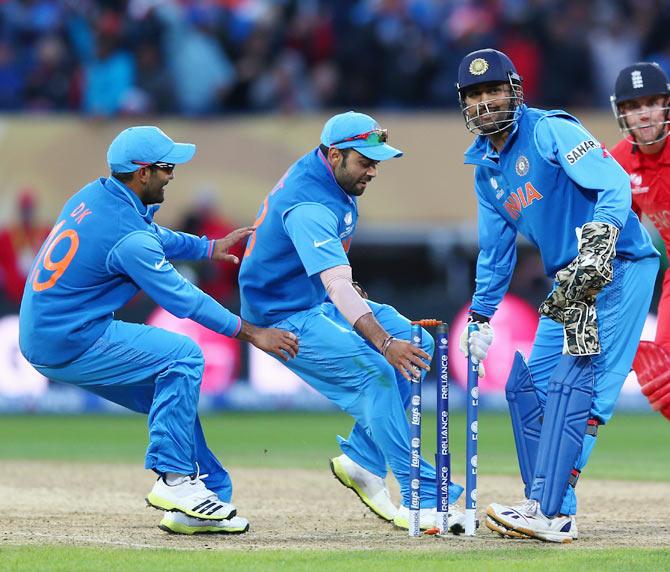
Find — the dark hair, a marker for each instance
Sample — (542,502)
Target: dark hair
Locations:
(345,153)
(123,177)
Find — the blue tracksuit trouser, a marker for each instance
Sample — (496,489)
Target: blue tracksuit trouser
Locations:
(158,373)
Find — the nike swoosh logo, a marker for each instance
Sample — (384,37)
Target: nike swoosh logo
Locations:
(321,242)
(159,265)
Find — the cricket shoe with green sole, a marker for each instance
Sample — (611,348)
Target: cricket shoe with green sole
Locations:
(526,519)
(191,497)
(428,519)
(179,523)
(370,488)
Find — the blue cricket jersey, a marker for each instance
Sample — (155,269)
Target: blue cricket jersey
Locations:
(551,177)
(102,250)
(304,226)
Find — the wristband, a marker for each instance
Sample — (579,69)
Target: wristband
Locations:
(385,345)
(478,318)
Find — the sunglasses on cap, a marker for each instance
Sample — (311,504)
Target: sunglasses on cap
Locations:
(369,138)
(167,167)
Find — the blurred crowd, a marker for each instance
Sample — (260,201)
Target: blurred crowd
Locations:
(20,240)
(202,57)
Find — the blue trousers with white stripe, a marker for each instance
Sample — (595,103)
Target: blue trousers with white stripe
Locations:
(152,371)
(339,363)
(621,308)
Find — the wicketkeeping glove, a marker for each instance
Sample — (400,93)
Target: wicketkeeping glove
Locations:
(580,329)
(588,273)
(573,301)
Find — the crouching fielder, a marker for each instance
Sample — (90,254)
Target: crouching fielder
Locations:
(103,249)
(542,174)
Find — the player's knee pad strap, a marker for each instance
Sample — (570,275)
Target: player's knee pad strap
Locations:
(526,415)
(566,413)
(587,446)
(569,504)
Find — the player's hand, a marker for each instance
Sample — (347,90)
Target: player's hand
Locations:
(652,363)
(222,245)
(582,279)
(279,342)
(592,270)
(404,356)
(580,329)
(479,343)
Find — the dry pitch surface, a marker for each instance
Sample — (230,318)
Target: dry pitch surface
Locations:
(89,504)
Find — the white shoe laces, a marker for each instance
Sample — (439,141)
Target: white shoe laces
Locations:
(527,505)
(201,488)
(533,507)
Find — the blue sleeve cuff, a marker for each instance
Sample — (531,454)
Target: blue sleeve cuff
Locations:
(238,328)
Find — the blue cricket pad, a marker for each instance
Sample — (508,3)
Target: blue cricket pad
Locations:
(565,417)
(526,414)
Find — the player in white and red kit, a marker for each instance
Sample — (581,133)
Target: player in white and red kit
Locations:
(641,103)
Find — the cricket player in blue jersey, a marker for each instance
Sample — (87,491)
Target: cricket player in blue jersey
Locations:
(543,175)
(295,275)
(102,250)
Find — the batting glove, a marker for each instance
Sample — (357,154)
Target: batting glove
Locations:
(480,341)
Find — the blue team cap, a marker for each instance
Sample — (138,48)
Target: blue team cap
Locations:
(483,66)
(144,145)
(352,130)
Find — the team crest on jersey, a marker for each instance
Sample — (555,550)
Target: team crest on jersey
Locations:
(636,184)
(494,184)
(478,66)
(522,166)
(348,218)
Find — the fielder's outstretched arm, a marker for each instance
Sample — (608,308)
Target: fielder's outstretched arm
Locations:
(140,257)
(399,353)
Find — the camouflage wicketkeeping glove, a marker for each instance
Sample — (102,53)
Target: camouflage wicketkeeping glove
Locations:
(588,273)
(572,302)
(580,329)
(591,271)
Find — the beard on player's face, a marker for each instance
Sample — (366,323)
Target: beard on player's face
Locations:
(153,191)
(354,172)
(492,116)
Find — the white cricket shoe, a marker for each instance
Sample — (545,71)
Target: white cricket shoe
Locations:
(370,488)
(191,497)
(527,520)
(428,519)
(179,523)
(503,531)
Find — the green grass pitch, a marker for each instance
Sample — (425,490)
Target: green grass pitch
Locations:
(540,559)
(631,447)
